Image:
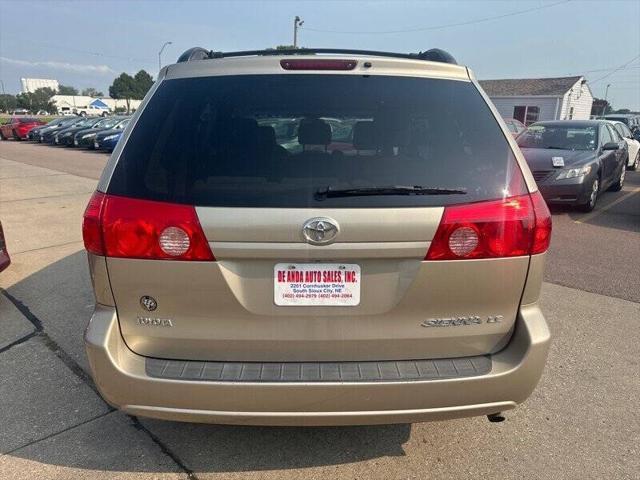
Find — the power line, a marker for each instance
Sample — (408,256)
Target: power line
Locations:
(621,67)
(604,69)
(86,52)
(439,27)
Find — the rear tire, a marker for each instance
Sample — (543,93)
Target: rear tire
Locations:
(2,137)
(593,197)
(16,136)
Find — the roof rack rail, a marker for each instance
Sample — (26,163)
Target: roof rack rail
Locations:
(432,55)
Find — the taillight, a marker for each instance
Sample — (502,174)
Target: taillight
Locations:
(318,64)
(91,229)
(515,226)
(132,228)
(542,232)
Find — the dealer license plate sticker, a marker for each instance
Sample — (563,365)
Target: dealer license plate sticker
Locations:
(316,284)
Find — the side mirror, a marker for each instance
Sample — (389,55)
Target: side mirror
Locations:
(610,146)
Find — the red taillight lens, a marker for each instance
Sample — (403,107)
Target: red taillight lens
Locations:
(132,228)
(542,232)
(318,64)
(91,229)
(511,227)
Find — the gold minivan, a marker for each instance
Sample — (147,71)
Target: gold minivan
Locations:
(316,237)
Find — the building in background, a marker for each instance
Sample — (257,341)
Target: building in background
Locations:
(77,104)
(531,100)
(30,85)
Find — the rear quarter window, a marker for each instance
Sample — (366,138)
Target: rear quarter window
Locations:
(276,140)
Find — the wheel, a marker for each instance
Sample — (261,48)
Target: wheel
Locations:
(616,187)
(104,114)
(2,137)
(593,197)
(636,163)
(83,114)
(16,136)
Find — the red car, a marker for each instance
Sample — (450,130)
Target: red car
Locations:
(19,127)
(4,254)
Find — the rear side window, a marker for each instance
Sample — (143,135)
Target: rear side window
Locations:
(278,140)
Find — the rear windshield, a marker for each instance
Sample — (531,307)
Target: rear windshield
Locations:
(282,140)
(559,137)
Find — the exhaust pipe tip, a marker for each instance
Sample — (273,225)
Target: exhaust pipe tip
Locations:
(496,417)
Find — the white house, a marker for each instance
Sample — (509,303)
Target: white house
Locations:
(535,99)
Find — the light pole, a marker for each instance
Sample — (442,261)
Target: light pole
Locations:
(297,22)
(606,93)
(2,83)
(160,54)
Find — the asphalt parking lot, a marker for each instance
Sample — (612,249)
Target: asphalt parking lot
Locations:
(582,421)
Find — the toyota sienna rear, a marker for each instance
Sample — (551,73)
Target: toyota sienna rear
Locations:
(316,238)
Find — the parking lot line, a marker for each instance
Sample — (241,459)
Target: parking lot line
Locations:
(595,213)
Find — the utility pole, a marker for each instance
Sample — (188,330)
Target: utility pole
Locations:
(297,22)
(606,93)
(160,54)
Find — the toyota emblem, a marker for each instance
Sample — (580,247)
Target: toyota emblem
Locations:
(320,231)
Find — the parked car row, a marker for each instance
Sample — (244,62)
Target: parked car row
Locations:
(574,161)
(95,133)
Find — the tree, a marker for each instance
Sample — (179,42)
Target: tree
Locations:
(92,92)
(37,100)
(128,88)
(623,110)
(143,81)
(8,102)
(67,90)
(285,47)
(600,107)
(123,88)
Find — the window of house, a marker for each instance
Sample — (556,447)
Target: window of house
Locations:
(526,114)
(571,113)
(532,115)
(519,113)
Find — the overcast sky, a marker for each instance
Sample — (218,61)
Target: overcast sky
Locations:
(87,44)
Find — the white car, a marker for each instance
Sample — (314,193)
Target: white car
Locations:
(91,111)
(634,145)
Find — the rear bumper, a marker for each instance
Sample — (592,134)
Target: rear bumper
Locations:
(121,377)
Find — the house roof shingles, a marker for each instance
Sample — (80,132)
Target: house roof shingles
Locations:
(516,87)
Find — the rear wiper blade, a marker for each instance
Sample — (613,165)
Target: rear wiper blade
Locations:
(387,190)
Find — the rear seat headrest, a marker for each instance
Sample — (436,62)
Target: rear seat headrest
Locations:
(365,136)
(313,131)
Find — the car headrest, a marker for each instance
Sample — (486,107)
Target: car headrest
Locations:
(313,131)
(365,135)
